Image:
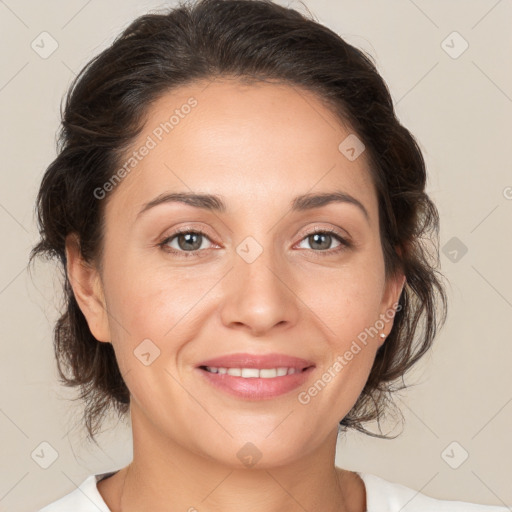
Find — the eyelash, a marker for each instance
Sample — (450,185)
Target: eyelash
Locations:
(344,244)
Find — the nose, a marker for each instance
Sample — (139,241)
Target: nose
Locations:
(259,296)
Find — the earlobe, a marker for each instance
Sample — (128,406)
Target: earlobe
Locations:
(87,288)
(394,291)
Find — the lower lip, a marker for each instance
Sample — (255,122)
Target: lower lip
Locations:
(256,388)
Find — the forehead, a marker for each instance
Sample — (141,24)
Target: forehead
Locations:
(263,142)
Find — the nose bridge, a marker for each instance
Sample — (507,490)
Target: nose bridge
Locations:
(257,266)
(256,293)
(256,262)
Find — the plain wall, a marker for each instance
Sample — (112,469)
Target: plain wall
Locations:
(459,109)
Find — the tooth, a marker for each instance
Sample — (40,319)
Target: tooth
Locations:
(250,373)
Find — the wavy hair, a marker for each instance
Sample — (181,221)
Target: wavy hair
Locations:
(252,40)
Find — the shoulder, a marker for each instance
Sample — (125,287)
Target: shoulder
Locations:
(85,498)
(385,496)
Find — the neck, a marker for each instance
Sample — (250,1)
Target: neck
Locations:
(167,476)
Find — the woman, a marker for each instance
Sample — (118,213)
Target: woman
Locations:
(240,218)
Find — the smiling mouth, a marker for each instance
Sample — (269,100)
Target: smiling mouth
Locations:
(254,373)
(256,384)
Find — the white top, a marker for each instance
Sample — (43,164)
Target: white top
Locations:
(381,496)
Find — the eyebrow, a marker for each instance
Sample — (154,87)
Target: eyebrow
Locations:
(215,203)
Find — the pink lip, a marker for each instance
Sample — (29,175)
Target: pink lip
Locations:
(256,388)
(257,361)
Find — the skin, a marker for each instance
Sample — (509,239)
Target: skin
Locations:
(258,146)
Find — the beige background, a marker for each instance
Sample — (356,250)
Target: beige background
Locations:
(460,109)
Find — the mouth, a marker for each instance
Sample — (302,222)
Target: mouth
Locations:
(254,373)
(256,377)
(244,361)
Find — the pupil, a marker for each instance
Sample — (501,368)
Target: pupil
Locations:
(319,235)
(189,244)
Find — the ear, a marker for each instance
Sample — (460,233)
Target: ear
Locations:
(88,290)
(393,290)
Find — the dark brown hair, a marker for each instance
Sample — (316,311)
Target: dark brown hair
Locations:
(250,40)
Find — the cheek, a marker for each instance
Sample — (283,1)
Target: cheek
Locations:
(347,307)
(156,303)
(347,300)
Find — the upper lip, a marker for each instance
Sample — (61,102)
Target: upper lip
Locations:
(257,361)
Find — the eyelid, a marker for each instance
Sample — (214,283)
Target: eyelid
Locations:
(326,229)
(344,240)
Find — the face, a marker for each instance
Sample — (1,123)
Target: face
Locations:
(264,274)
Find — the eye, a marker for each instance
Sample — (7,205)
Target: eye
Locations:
(190,242)
(321,239)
